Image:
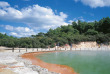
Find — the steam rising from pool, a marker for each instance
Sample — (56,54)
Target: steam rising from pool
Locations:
(83,62)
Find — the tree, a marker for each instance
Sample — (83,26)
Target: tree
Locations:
(74,24)
(24,45)
(91,32)
(50,33)
(40,34)
(89,25)
(81,26)
(101,38)
(104,25)
(52,45)
(10,43)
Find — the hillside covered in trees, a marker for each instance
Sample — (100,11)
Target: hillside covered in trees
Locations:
(98,31)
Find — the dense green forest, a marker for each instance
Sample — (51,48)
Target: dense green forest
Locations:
(98,31)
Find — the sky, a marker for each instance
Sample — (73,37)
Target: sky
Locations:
(23,18)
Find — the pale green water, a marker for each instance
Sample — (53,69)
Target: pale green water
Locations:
(83,62)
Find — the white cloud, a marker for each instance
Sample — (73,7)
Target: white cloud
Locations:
(76,0)
(95,3)
(16,6)
(3,32)
(4,4)
(8,27)
(90,21)
(70,21)
(35,16)
(88,13)
(19,31)
(76,20)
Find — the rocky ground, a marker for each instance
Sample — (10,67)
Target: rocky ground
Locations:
(12,63)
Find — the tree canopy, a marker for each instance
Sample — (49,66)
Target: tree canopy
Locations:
(98,31)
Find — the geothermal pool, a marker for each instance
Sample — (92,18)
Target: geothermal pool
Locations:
(83,62)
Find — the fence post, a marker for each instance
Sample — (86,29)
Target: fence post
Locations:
(37,49)
(33,49)
(19,49)
(65,48)
(13,49)
(26,49)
